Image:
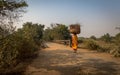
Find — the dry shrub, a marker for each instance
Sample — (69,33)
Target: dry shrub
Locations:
(13,50)
(116,51)
(91,44)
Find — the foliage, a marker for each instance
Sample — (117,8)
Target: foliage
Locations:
(116,51)
(20,45)
(106,37)
(105,44)
(32,32)
(117,39)
(11,7)
(10,11)
(57,32)
(93,37)
(91,44)
(48,34)
(81,39)
(103,49)
(12,49)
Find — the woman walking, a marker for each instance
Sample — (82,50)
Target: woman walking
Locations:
(74,42)
(74,30)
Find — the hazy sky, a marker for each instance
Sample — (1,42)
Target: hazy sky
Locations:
(97,17)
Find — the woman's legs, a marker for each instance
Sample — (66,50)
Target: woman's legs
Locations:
(75,50)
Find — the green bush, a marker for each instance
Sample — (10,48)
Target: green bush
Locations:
(19,45)
(91,44)
(56,32)
(81,39)
(116,51)
(117,39)
(13,49)
(106,43)
(93,37)
(106,37)
(103,49)
(96,45)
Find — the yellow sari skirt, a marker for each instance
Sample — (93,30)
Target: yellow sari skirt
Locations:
(74,42)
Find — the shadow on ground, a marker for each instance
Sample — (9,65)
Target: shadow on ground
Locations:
(68,63)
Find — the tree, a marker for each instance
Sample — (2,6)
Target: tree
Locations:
(32,32)
(61,32)
(57,32)
(48,34)
(20,45)
(117,39)
(93,37)
(10,10)
(106,37)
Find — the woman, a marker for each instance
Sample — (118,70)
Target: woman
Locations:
(74,42)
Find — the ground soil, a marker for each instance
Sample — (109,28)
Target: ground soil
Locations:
(59,59)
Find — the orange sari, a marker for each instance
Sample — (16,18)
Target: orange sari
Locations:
(74,42)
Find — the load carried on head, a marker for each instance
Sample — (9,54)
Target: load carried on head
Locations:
(75,28)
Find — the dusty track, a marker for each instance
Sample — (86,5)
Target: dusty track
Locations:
(60,60)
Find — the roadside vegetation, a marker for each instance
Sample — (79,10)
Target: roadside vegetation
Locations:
(16,46)
(19,46)
(106,43)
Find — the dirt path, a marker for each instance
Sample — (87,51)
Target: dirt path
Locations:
(60,60)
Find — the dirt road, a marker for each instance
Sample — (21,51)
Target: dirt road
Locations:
(60,60)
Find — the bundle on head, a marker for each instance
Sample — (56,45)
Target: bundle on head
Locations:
(75,28)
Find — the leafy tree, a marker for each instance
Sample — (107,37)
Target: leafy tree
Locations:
(10,10)
(20,45)
(81,39)
(106,37)
(48,34)
(117,39)
(32,32)
(93,37)
(57,32)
